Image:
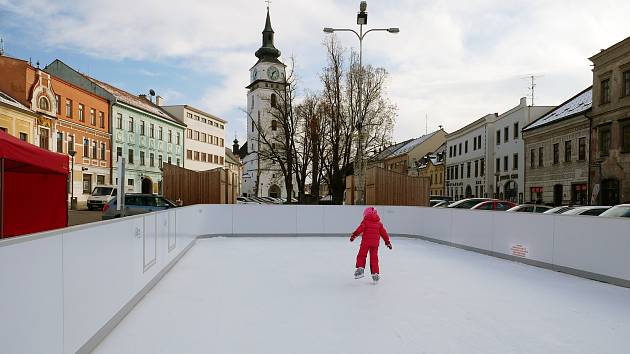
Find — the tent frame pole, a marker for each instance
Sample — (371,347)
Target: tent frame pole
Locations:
(1,198)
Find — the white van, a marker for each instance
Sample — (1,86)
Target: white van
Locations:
(100,196)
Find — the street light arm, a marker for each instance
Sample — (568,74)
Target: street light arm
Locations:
(346,30)
(377,29)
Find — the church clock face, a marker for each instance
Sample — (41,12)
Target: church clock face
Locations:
(273,73)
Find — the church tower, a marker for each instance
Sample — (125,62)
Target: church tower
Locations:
(261,177)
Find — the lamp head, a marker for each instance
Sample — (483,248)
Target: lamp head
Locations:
(72,153)
(328,30)
(393,30)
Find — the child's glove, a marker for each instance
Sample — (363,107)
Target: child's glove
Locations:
(389,245)
(352,237)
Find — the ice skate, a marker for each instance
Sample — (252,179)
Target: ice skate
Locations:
(375,277)
(358,273)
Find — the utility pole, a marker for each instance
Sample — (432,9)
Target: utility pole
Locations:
(1,46)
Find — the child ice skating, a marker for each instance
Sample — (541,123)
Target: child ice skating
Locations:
(372,230)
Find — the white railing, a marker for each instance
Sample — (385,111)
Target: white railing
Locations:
(62,291)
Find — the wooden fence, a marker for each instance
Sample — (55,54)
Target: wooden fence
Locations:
(385,187)
(205,187)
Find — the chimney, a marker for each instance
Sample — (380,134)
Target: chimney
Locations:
(159,101)
(523,101)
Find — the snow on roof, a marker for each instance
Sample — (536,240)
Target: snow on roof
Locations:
(389,150)
(6,99)
(578,104)
(135,101)
(411,144)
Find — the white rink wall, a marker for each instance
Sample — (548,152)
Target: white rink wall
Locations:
(62,291)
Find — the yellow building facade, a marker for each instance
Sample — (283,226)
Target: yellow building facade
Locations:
(17,120)
(435,171)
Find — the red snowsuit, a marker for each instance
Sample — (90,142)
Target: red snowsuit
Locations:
(372,230)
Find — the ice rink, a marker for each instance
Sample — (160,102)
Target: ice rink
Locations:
(298,295)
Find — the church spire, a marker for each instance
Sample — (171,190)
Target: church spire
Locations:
(268,52)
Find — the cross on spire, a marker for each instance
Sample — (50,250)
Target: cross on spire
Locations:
(268,3)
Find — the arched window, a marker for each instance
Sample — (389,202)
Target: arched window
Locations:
(274,125)
(43,104)
(273,100)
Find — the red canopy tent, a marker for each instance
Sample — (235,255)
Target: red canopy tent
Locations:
(33,188)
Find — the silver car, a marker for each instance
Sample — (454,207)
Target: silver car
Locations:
(136,204)
(587,210)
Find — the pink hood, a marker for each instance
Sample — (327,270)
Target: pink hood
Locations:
(370,214)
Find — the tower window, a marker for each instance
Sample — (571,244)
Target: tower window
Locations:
(273,100)
(274,125)
(43,104)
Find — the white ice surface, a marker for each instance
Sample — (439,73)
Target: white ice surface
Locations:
(298,295)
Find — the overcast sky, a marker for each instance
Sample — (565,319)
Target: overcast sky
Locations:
(453,61)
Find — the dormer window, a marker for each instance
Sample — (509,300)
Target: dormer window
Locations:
(44,104)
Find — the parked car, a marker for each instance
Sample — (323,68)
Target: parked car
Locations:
(559,209)
(530,208)
(499,205)
(467,203)
(100,196)
(136,203)
(618,211)
(438,203)
(587,210)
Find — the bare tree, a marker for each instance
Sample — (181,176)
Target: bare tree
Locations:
(343,113)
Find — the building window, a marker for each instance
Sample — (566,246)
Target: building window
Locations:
(274,125)
(160,133)
(178,162)
(81,109)
(506,132)
(196,155)
(151,159)
(68,108)
(58,102)
(203,156)
(43,138)
(474,143)
(567,151)
(142,127)
(24,137)
(189,154)
(86,148)
(160,161)
(87,184)
(468,170)
(460,150)
(103,151)
(450,151)
(605,92)
(92,116)
(532,158)
(189,133)
(515,162)
(505,163)
(170,136)
(625,137)
(101,119)
(152,130)
(130,156)
(498,137)
(626,83)
(169,160)
(94,150)
(221,142)
(498,166)
(556,154)
(100,180)
(130,182)
(119,121)
(516,130)
(582,149)
(118,153)
(483,167)
(59,141)
(196,135)
(273,100)
(203,137)
(188,115)
(141,158)
(131,124)
(604,140)
(177,138)
(540,156)
(44,104)
(466,147)
(70,143)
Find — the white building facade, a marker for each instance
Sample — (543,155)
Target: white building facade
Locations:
(204,142)
(469,156)
(509,150)
(262,177)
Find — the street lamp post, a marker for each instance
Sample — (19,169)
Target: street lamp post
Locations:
(359,165)
(72,153)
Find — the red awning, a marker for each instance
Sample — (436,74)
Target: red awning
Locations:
(23,157)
